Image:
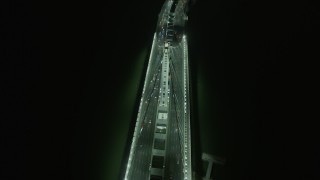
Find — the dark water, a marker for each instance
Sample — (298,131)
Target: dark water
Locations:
(72,74)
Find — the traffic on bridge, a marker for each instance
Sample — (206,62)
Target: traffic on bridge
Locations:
(161,144)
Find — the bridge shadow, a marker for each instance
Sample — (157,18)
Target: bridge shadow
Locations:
(196,148)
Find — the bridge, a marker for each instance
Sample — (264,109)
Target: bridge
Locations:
(161,143)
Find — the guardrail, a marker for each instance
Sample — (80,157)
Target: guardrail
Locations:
(187,131)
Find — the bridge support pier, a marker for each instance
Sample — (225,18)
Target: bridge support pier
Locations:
(211,159)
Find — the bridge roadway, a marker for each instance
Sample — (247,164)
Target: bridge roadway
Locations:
(141,161)
(177,155)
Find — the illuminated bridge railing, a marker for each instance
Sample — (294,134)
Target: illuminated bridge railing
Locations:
(187,128)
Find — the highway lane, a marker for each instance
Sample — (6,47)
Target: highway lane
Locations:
(141,159)
(174,155)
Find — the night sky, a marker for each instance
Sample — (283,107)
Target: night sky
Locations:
(71,76)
